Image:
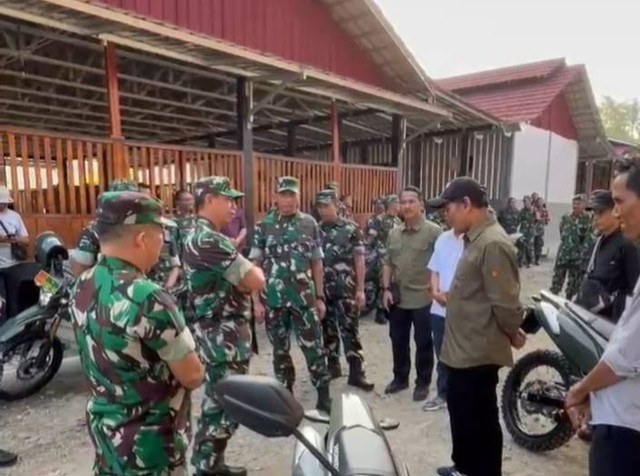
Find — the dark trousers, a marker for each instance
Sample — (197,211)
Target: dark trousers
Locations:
(400,322)
(615,451)
(437,330)
(473,414)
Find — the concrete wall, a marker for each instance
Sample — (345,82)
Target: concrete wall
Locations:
(534,148)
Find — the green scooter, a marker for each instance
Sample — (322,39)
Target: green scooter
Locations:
(535,389)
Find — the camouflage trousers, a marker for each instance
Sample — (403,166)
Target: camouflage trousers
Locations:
(304,323)
(213,423)
(372,283)
(525,250)
(342,319)
(560,272)
(538,246)
(138,448)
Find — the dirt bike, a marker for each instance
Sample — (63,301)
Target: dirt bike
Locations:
(30,351)
(532,401)
(354,444)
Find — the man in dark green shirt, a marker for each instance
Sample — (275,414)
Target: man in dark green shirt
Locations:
(483,320)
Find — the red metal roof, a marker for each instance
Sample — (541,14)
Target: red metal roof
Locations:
(518,93)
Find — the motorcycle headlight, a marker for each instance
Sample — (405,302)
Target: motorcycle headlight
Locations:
(44,299)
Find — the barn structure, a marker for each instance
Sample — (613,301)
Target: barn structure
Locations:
(168,91)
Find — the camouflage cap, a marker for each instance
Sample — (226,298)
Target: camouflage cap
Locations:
(325,197)
(288,184)
(123,185)
(217,185)
(332,186)
(581,197)
(130,208)
(389,199)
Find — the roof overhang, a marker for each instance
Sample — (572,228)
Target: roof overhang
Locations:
(126,29)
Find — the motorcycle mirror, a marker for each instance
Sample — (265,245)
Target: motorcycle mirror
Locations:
(316,416)
(262,404)
(389,424)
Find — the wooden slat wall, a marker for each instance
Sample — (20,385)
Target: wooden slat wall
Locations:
(365,183)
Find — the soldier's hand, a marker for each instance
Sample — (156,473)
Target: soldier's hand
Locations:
(361,300)
(387,300)
(321,308)
(259,311)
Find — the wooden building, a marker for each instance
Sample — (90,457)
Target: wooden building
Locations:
(165,92)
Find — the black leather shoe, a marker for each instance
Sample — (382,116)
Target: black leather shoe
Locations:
(7,459)
(380,319)
(324,400)
(395,387)
(357,377)
(335,369)
(420,393)
(449,471)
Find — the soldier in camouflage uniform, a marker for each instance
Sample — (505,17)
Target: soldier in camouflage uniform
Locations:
(185,222)
(287,246)
(526,222)
(343,249)
(543,218)
(87,249)
(220,281)
(135,349)
(437,217)
(509,217)
(575,229)
(372,261)
(378,233)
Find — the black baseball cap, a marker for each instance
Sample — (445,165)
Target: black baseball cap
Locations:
(601,200)
(459,188)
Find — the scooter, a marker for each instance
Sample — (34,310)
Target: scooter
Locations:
(532,400)
(30,351)
(355,443)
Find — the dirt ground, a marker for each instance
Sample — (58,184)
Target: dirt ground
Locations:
(48,430)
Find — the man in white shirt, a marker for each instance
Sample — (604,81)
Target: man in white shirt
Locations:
(12,227)
(443,263)
(610,394)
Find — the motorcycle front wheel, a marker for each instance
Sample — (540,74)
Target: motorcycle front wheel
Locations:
(532,401)
(23,370)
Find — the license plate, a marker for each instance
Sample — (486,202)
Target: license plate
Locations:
(46,282)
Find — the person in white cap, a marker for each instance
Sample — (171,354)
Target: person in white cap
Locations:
(12,228)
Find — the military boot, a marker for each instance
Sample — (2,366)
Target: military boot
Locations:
(289,386)
(335,369)
(324,400)
(357,377)
(380,319)
(219,467)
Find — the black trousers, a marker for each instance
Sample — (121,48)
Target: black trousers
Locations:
(615,451)
(475,425)
(400,322)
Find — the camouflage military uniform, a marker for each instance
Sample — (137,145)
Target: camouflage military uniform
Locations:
(184,225)
(169,259)
(127,328)
(88,246)
(287,246)
(214,268)
(542,220)
(526,221)
(437,217)
(574,233)
(509,218)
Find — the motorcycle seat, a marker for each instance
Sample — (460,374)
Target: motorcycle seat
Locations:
(601,325)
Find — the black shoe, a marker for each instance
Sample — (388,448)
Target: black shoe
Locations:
(449,471)
(395,387)
(420,393)
(324,400)
(357,377)
(289,386)
(335,369)
(7,459)
(223,470)
(380,319)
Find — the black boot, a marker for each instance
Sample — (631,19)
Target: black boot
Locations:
(289,386)
(219,467)
(324,401)
(380,319)
(357,377)
(335,369)
(7,459)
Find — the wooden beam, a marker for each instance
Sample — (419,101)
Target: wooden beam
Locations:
(120,165)
(398,136)
(291,140)
(335,141)
(244,95)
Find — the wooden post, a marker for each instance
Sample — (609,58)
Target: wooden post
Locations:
(244,102)
(120,165)
(398,147)
(335,141)
(589,169)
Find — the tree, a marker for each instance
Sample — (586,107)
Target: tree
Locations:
(621,119)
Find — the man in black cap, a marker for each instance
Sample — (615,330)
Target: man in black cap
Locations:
(483,323)
(614,265)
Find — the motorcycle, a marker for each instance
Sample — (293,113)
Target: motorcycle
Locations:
(30,351)
(355,443)
(533,401)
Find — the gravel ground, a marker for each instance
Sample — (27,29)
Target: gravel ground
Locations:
(48,430)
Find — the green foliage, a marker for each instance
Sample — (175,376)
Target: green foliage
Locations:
(621,118)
